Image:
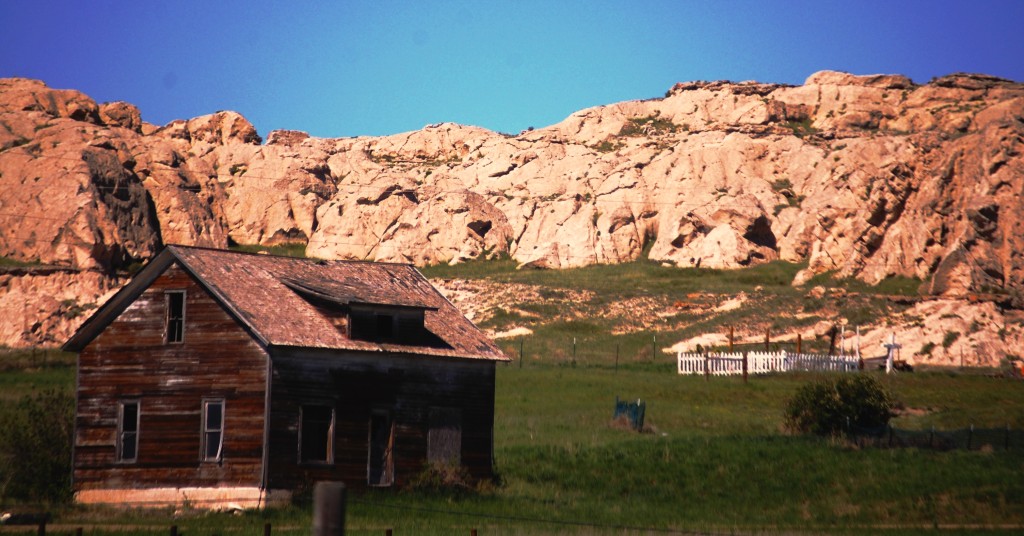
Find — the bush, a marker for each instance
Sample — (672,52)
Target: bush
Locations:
(442,477)
(448,478)
(831,407)
(35,448)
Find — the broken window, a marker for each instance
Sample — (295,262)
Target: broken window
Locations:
(213,430)
(391,326)
(444,438)
(316,435)
(373,326)
(127,431)
(175,306)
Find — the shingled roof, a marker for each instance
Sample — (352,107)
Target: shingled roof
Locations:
(264,292)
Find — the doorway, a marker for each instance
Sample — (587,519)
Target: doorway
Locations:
(380,467)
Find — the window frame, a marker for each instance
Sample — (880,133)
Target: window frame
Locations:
(176,336)
(444,439)
(119,445)
(331,427)
(205,431)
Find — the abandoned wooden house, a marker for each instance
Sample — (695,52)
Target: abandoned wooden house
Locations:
(218,377)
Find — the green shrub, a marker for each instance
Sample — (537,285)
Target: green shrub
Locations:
(802,128)
(831,407)
(442,477)
(35,448)
(651,124)
(949,339)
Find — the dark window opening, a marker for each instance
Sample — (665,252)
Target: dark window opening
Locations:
(316,435)
(362,321)
(175,329)
(395,327)
(127,431)
(385,327)
(213,430)
(444,438)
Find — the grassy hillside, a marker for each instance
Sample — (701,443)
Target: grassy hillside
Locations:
(634,310)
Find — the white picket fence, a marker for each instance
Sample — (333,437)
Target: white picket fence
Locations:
(726,364)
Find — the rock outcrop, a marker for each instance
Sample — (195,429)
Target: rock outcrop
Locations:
(867,176)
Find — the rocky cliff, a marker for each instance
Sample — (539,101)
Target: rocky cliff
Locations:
(867,176)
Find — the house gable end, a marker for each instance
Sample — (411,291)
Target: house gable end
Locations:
(124,298)
(121,300)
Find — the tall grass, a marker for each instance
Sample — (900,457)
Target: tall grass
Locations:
(284,250)
(25,371)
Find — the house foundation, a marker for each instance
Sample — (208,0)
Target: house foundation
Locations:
(239,498)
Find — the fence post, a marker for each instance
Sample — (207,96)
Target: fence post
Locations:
(931,438)
(745,367)
(706,365)
(730,339)
(174,530)
(617,357)
(520,352)
(574,351)
(329,509)
(266,529)
(970,437)
(654,352)
(1006,441)
(42,522)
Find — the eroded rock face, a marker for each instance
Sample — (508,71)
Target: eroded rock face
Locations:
(869,176)
(44,307)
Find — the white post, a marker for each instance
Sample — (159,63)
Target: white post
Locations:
(888,356)
(891,347)
(858,344)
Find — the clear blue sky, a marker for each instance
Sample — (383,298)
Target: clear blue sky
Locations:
(382,67)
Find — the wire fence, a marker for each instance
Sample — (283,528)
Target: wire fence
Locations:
(587,351)
(971,438)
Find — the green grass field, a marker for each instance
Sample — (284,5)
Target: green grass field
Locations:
(715,460)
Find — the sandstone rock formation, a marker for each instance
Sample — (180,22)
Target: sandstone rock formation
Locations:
(867,176)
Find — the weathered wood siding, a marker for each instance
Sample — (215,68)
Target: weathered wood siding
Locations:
(129,360)
(358,384)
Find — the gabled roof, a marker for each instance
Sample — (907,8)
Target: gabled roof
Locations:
(265,294)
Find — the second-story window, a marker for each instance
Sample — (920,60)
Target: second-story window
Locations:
(174,331)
